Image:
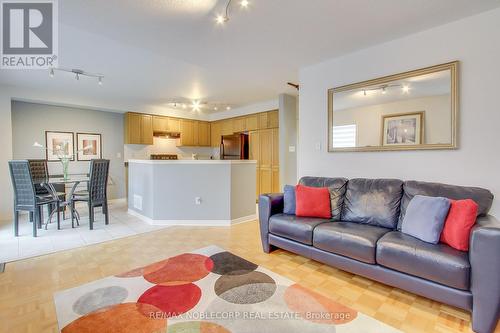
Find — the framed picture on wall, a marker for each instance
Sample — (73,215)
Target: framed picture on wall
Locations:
(89,146)
(59,144)
(403,129)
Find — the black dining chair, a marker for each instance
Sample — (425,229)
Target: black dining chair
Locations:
(97,195)
(25,196)
(39,170)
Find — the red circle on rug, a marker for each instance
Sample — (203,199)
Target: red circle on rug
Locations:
(125,317)
(172,300)
(181,269)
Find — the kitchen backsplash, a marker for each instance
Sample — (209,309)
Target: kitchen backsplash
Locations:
(168,146)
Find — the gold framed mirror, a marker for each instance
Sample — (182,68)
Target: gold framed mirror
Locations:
(414,110)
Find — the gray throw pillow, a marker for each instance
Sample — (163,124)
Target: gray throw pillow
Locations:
(424,218)
(289,200)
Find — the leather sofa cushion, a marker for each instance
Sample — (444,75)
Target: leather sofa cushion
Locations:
(337,188)
(299,229)
(435,262)
(481,196)
(353,240)
(373,201)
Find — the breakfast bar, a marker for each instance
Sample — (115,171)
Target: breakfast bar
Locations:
(192,192)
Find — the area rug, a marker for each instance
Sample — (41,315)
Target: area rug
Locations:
(205,291)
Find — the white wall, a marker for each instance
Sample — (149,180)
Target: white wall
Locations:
(475,42)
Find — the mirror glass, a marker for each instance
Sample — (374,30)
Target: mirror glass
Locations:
(414,110)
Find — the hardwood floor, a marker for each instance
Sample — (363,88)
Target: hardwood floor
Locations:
(27,286)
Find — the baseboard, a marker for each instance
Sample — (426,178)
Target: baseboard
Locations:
(193,223)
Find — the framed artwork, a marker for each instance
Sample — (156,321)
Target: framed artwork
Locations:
(59,144)
(403,129)
(89,146)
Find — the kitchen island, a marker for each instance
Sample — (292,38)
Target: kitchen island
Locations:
(192,192)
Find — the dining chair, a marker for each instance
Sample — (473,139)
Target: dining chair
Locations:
(25,196)
(97,194)
(39,170)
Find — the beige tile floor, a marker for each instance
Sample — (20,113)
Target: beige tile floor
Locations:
(52,240)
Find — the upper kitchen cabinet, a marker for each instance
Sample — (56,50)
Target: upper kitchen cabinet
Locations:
(269,119)
(239,125)
(215,133)
(160,124)
(227,127)
(204,134)
(252,122)
(138,129)
(194,133)
(174,125)
(187,132)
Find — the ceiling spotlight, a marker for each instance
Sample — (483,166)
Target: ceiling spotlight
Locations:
(77,77)
(216,108)
(406,89)
(184,106)
(51,74)
(221,19)
(244,3)
(228,108)
(100,80)
(364,92)
(384,91)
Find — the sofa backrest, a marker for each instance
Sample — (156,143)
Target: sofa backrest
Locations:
(483,197)
(373,201)
(337,188)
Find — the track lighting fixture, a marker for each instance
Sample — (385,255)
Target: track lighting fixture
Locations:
(385,88)
(78,73)
(223,18)
(199,105)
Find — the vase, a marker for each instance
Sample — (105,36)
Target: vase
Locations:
(65,165)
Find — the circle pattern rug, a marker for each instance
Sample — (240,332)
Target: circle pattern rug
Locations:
(208,290)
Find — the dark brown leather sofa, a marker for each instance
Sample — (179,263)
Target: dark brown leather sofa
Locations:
(363,238)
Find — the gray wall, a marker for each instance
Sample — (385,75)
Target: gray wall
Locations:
(30,121)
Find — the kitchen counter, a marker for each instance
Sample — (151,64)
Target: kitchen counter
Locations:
(192,192)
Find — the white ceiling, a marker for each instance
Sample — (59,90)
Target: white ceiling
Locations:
(153,51)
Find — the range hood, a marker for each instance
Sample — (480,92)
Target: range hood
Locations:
(167,135)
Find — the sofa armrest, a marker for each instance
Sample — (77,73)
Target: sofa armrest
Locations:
(484,255)
(269,205)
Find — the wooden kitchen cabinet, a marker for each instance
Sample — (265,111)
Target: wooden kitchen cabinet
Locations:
(204,134)
(239,125)
(227,127)
(174,125)
(273,120)
(160,124)
(252,123)
(254,154)
(215,134)
(138,129)
(187,133)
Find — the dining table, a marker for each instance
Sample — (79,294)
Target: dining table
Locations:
(49,184)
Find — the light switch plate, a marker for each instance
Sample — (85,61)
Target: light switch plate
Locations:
(291,149)
(318,146)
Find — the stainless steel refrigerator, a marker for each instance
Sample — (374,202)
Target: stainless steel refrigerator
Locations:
(234,147)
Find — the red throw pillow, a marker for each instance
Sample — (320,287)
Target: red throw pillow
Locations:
(312,202)
(458,224)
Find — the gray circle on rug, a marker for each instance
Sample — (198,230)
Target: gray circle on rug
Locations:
(250,288)
(226,263)
(99,298)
